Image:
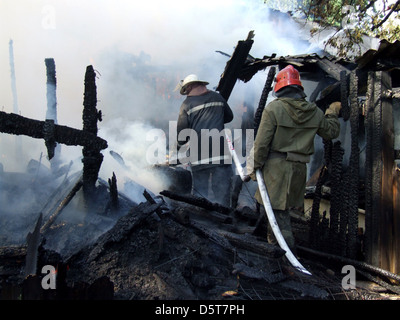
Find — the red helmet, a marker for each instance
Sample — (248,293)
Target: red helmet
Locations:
(287,77)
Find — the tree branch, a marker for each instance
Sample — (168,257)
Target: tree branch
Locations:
(387,16)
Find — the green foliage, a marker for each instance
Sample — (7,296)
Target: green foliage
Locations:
(352,19)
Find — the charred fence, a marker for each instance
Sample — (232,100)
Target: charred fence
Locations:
(53,133)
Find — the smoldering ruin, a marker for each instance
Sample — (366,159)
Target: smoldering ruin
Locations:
(106,244)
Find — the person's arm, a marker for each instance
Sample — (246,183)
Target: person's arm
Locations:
(183,123)
(330,125)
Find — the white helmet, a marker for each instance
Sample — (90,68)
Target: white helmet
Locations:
(191,78)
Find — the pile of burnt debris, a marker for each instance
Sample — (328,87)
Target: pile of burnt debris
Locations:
(169,246)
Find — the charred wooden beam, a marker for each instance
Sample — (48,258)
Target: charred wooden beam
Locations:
(254,273)
(337,194)
(371,236)
(357,264)
(150,199)
(251,243)
(381,283)
(381,220)
(315,225)
(332,69)
(234,66)
(15,124)
(344,95)
(62,205)
(92,158)
(49,139)
(197,201)
(263,100)
(354,170)
(186,212)
(51,85)
(53,151)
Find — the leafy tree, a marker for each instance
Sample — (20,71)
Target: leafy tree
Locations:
(351,20)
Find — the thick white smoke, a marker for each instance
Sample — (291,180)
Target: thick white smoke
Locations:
(140,49)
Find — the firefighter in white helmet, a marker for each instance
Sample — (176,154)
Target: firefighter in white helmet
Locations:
(204,112)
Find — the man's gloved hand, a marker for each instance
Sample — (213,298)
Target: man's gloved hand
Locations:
(246,178)
(334,108)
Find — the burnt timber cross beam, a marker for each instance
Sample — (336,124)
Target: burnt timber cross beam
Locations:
(12,123)
(52,133)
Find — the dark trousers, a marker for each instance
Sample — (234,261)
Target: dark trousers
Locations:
(220,178)
(284,222)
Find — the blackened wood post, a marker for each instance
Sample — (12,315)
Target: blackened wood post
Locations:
(380,172)
(353,177)
(263,100)
(337,194)
(344,95)
(92,158)
(370,239)
(396,192)
(388,169)
(51,86)
(51,114)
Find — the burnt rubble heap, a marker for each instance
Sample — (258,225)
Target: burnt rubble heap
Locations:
(173,245)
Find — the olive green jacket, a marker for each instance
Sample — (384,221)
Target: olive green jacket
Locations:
(288,125)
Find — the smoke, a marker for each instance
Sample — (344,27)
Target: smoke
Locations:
(140,51)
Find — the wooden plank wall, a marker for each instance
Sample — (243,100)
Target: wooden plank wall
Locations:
(395,263)
(386,206)
(383,204)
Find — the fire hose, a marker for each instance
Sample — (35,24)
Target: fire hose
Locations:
(268,209)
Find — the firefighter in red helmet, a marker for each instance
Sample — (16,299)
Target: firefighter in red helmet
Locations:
(284,144)
(287,77)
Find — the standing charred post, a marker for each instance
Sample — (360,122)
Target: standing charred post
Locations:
(317,234)
(336,196)
(344,95)
(92,158)
(371,237)
(53,149)
(353,177)
(51,86)
(381,224)
(263,100)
